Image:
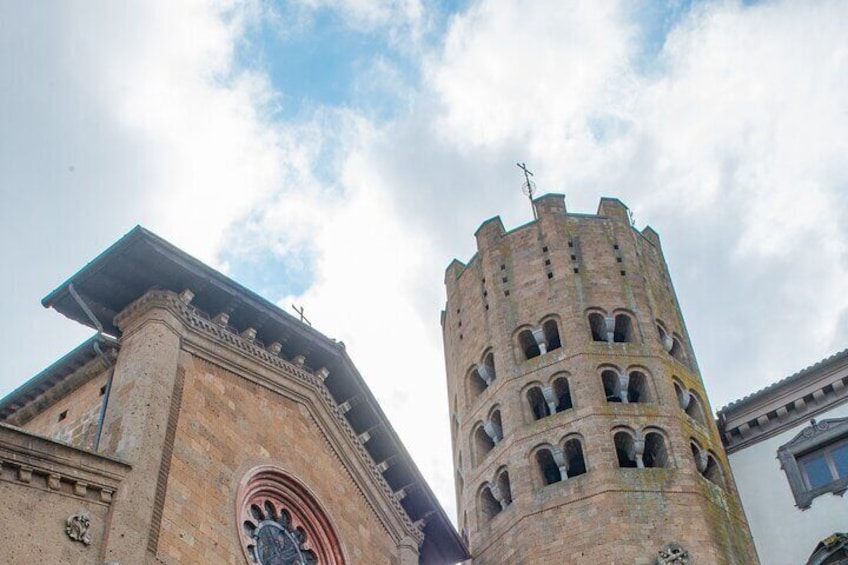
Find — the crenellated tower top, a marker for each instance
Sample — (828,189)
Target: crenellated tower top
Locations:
(576,401)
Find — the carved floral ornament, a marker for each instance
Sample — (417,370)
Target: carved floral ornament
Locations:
(76,526)
(281,522)
(673,554)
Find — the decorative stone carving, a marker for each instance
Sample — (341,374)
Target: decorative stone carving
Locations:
(76,526)
(673,554)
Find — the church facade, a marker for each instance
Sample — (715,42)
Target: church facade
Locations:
(202,424)
(581,429)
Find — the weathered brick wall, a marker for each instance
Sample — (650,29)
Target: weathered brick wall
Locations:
(562,266)
(73,419)
(42,484)
(228,425)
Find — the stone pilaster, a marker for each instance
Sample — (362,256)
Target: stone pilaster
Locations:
(136,421)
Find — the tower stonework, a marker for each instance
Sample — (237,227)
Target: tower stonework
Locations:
(581,429)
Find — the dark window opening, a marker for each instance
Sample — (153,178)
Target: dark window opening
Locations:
(623,332)
(506,293)
(597,326)
(612,385)
(102,390)
(483,444)
(695,409)
(528,344)
(656,454)
(713,472)
(545,249)
(489,363)
(489,506)
(63,415)
(637,388)
(538,404)
(677,350)
(505,488)
(551,335)
(625,450)
(547,262)
(550,275)
(574,457)
(548,468)
(562,394)
(476,384)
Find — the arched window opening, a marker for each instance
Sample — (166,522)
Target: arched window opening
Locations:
(493,426)
(455,425)
(676,350)
(460,482)
(538,404)
(574,457)
(548,469)
(612,385)
(625,449)
(713,471)
(528,344)
(489,506)
(665,339)
(656,454)
(483,444)
(476,384)
(695,409)
(563,394)
(680,393)
(551,335)
(489,364)
(637,387)
(504,488)
(623,329)
(597,326)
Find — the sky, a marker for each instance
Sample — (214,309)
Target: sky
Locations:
(337,154)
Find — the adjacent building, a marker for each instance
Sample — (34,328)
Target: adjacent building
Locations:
(581,429)
(202,424)
(787,445)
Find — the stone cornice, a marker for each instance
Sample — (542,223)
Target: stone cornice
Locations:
(38,462)
(785,404)
(199,324)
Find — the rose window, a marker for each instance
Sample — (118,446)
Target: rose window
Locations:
(282,523)
(275,540)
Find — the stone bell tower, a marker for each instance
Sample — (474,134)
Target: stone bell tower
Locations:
(581,429)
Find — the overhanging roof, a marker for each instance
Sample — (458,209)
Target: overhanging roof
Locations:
(57,379)
(141,261)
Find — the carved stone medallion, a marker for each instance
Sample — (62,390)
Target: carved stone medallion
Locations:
(673,554)
(76,526)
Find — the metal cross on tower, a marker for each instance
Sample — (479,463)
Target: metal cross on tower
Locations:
(300,311)
(529,187)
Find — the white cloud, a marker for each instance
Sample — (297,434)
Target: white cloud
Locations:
(731,144)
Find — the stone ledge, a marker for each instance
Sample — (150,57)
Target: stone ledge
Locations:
(32,460)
